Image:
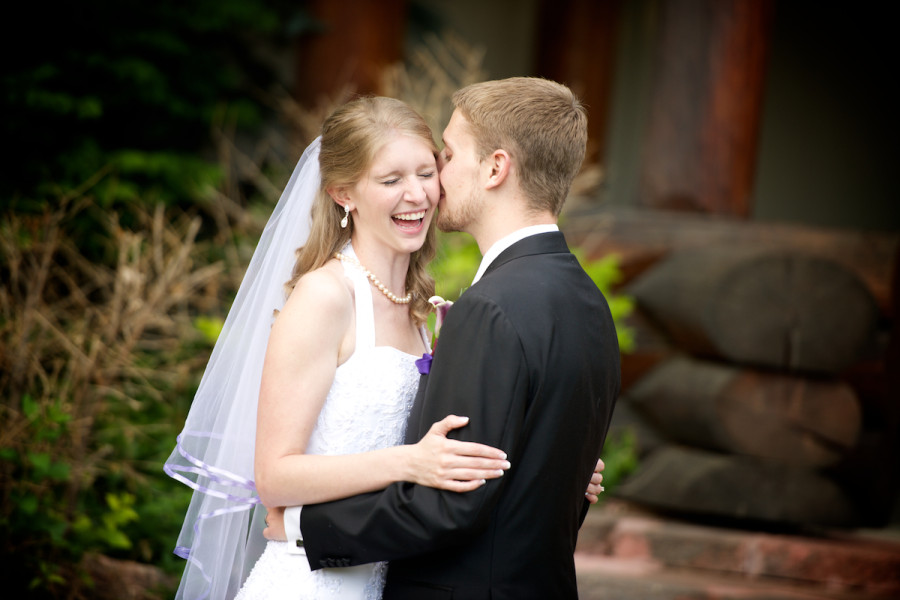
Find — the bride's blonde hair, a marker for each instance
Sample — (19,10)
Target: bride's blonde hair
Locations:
(351,137)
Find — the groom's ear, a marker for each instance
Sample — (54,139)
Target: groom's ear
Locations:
(499,164)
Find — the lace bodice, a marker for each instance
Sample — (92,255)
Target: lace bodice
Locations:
(366,409)
(372,393)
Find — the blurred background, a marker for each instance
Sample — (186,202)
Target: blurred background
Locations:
(737,205)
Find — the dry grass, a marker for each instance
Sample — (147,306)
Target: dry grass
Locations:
(435,70)
(100,349)
(73,331)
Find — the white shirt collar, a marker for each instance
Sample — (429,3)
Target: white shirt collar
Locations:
(505,242)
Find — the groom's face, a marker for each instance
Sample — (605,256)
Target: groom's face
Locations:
(459,165)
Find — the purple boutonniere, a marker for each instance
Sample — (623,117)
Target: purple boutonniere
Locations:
(424,363)
(441,307)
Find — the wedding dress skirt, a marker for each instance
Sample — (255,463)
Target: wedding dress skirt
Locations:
(279,575)
(366,409)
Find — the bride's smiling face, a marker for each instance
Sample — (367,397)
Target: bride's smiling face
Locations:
(395,200)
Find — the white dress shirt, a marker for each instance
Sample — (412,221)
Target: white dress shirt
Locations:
(505,242)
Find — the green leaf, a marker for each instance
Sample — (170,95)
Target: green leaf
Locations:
(81,524)
(58,472)
(117,539)
(41,463)
(28,505)
(113,501)
(57,530)
(57,413)
(30,407)
(620,306)
(210,327)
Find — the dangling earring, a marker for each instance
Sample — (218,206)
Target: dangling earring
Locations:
(346,218)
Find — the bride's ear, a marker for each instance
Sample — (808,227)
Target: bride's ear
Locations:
(340,196)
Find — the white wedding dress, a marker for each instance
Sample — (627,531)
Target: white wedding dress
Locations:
(365,409)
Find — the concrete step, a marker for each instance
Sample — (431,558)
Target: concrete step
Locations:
(664,558)
(620,579)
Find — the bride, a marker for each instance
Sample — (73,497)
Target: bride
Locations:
(305,399)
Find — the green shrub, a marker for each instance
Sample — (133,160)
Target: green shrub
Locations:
(98,363)
(458,257)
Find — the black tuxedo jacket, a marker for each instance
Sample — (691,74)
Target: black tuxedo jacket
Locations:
(529,353)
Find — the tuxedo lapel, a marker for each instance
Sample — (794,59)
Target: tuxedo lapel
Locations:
(542,243)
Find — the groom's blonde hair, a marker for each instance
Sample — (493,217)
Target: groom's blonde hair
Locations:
(540,123)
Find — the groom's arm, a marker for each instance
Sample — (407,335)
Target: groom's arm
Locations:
(479,371)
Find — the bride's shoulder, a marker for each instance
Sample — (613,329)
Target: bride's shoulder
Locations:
(323,292)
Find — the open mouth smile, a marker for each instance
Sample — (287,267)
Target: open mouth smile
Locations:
(411,220)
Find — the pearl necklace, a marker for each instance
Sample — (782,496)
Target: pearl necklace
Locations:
(374,280)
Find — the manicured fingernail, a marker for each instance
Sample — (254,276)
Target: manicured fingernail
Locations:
(506,465)
(500,473)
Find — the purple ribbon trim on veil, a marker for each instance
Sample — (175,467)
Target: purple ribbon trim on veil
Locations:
(185,553)
(211,472)
(216,475)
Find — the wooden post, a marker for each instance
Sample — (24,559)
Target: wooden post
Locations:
(576,46)
(357,39)
(701,143)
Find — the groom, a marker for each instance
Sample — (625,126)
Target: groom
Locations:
(529,353)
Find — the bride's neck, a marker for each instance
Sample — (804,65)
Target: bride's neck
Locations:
(388,266)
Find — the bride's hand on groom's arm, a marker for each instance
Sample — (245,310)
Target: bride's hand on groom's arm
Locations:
(439,462)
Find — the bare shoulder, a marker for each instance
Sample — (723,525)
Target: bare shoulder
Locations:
(320,294)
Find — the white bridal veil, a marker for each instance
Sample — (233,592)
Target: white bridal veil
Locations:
(221,537)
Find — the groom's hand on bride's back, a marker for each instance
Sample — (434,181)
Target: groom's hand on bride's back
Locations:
(275,524)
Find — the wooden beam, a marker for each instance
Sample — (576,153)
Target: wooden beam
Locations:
(643,237)
(797,420)
(701,143)
(777,308)
(696,482)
